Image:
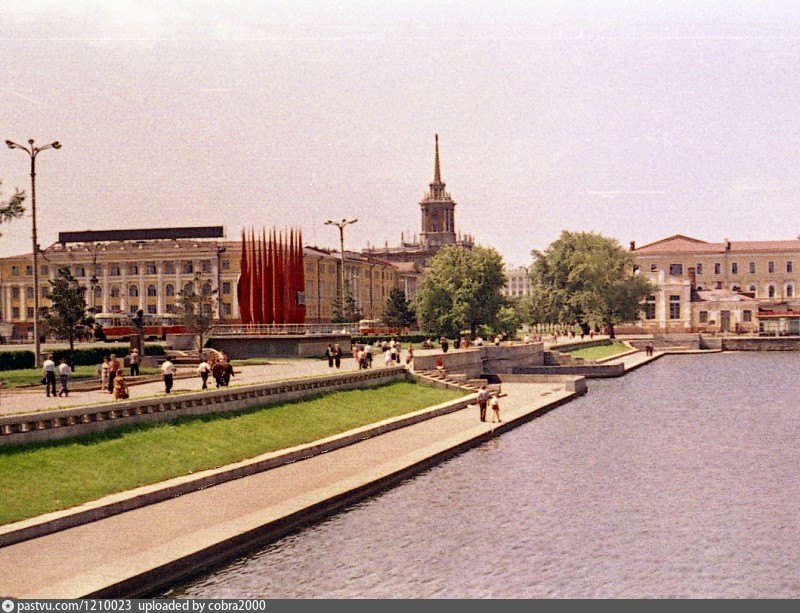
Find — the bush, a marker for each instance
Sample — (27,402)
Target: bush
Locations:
(86,356)
(12,360)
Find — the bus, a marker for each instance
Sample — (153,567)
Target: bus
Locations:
(118,326)
(375,326)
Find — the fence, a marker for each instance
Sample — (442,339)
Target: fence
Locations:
(283,329)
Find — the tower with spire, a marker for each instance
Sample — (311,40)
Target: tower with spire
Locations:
(438,212)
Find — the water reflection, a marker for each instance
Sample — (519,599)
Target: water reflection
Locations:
(677,480)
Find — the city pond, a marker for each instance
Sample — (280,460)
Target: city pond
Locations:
(677,480)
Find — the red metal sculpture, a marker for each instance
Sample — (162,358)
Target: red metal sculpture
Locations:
(272,279)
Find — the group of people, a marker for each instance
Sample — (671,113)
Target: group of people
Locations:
(489,399)
(221,369)
(49,373)
(112,374)
(364,354)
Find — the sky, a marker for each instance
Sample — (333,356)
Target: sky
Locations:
(637,120)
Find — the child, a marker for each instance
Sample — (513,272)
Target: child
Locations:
(103,370)
(120,387)
(495,404)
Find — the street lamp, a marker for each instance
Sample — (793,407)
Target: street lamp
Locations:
(33,152)
(341,225)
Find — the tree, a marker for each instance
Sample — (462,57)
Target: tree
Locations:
(67,311)
(588,279)
(12,208)
(196,305)
(397,313)
(461,289)
(509,319)
(347,313)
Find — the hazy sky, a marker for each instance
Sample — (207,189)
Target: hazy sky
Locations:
(634,119)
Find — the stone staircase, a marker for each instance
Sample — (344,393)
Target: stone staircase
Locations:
(455,379)
(557,358)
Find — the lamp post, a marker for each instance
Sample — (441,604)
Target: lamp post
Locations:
(341,225)
(33,152)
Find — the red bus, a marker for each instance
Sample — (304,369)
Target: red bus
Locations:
(118,325)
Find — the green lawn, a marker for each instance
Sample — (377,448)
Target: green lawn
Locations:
(48,476)
(600,351)
(33,376)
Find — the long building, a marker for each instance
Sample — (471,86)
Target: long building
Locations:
(727,286)
(126,270)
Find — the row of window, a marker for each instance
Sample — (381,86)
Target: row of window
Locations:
(747,316)
(115,269)
(676,270)
(133,290)
(151,309)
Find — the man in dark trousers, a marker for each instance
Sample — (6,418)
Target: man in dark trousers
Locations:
(483,401)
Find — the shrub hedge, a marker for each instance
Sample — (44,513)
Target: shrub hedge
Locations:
(84,356)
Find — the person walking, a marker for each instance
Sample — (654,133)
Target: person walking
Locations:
(445,345)
(102,369)
(387,357)
(203,370)
(113,368)
(495,404)
(410,356)
(168,371)
(63,375)
(49,375)
(329,355)
(368,357)
(217,371)
(483,401)
(133,362)
(337,355)
(227,372)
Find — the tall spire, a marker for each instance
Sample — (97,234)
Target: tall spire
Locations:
(437,177)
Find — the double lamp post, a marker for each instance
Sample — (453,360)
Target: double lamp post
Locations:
(33,152)
(341,225)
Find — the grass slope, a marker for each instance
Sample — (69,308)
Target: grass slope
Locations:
(44,477)
(600,351)
(33,376)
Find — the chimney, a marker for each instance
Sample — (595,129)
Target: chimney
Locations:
(727,244)
(692,278)
(633,245)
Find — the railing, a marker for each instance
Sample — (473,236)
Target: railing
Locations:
(282,329)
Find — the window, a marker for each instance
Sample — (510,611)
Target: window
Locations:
(98,270)
(14,312)
(133,308)
(29,313)
(734,268)
(226,265)
(151,268)
(735,288)
(133,291)
(44,291)
(752,268)
(717,268)
(226,308)
(188,266)
(789,266)
(29,270)
(699,268)
(151,290)
(674,307)
(332,269)
(206,265)
(751,288)
(771,267)
(703,317)
(15,292)
(226,288)
(170,308)
(15,271)
(113,270)
(206,289)
(188,288)
(771,291)
(45,269)
(169,290)
(169,268)
(29,292)
(789,291)
(115,291)
(747,316)
(98,291)
(151,308)
(310,288)
(650,308)
(80,270)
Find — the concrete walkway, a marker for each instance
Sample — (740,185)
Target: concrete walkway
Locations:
(151,547)
(14,402)
(632,361)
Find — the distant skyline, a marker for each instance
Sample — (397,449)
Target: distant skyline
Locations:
(631,119)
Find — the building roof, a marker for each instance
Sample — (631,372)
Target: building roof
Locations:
(684,245)
(721,295)
(776,314)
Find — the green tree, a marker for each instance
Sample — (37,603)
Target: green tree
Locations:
(588,279)
(67,311)
(347,313)
(509,319)
(398,313)
(196,305)
(460,290)
(12,208)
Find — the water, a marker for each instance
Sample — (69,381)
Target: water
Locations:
(678,480)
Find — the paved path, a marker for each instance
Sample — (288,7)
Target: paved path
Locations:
(635,360)
(82,560)
(13,402)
